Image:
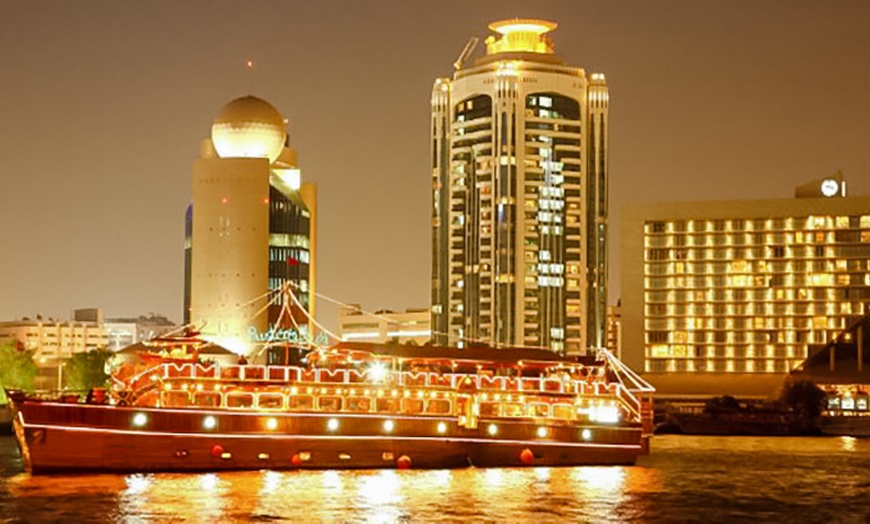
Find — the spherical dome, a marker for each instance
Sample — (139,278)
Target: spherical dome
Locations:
(248,127)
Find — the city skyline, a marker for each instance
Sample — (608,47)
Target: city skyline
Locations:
(106,105)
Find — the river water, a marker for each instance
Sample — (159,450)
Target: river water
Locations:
(685,479)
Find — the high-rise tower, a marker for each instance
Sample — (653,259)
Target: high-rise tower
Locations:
(250,230)
(519,185)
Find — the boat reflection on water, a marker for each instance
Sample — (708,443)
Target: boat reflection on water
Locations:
(709,479)
(587,492)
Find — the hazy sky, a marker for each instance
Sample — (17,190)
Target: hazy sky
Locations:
(103,105)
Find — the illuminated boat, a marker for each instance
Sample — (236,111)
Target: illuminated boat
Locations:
(349,406)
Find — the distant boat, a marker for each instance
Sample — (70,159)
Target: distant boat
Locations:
(857,425)
(749,421)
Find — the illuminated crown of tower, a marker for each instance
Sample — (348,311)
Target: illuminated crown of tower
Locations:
(520,35)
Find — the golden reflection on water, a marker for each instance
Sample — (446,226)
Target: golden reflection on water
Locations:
(848,443)
(683,475)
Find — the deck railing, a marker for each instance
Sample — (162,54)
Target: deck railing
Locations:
(562,385)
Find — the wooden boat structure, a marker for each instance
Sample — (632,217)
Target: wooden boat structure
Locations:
(352,405)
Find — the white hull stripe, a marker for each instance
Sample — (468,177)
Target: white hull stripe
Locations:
(335,437)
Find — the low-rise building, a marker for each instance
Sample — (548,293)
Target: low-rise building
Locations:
(410,326)
(53,340)
(123,332)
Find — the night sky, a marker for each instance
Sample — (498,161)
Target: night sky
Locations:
(103,105)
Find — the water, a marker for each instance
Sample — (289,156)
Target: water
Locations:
(686,479)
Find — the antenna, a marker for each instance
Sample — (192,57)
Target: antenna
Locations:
(466,52)
(249,68)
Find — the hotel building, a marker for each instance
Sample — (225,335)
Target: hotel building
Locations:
(519,187)
(405,327)
(731,294)
(251,229)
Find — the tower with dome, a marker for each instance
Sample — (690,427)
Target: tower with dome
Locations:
(250,229)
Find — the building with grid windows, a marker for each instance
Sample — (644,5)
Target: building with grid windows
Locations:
(250,230)
(519,186)
(739,290)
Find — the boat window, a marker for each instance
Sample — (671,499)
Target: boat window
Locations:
(363,404)
(277,373)
(513,409)
(270,400)
(540,410)
(329,403)
(387,405)
(174,399)
(489,409)
(552,384)
(300,403)
(531,384)
(861,403)
(240,400)
(412,405)
(563,411)
(230,372)
(438,406)
(209,399)
(254,372)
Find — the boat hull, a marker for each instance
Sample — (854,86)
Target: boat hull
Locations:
(56,438)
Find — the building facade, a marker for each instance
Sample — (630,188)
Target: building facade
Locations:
(53,341)
(404,327)
(614,330)
(519,186)
(742,287)
(123,332)
(250,231)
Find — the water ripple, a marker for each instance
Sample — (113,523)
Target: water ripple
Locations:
(686,479)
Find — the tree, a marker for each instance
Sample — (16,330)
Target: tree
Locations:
(17,369)
(805,398)
(85,371)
